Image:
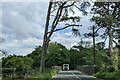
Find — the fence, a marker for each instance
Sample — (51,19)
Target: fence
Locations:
(57,67)
(15,73)
(87,69)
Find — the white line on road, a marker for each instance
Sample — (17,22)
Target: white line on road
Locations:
(75,76)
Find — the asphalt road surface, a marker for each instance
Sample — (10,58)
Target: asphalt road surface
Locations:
(72,75)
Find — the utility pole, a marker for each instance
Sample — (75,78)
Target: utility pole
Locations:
(94,44)
(74,61)
(119,42)
(118,38)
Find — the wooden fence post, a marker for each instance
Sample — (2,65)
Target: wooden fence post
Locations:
(13,74)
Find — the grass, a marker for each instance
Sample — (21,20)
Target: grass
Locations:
(48,74)
(44,76)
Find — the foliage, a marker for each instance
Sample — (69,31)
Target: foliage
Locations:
(106,16)
(81,55)
(74,19)
(44,76)
(108,75)
(15,63)
(57,55)
(35,56)
(119,62)
(60,12)
(3,53)
(76,58)
(48,74)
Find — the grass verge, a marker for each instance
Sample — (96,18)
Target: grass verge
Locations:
(48,74)
(44,76)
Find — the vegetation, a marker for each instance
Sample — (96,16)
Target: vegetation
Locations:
(46,75)
(106,60)
(108,75)
(108,19)
(60,11)
(57,55)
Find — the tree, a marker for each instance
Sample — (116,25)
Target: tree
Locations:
(81,55)
(57,55)
(92,34)
(77,55)
(2,53)
(107,17)
(19,63)
(35,56)
(86,44)
(100,46)
(61,11)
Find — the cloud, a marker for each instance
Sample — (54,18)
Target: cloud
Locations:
(22,26)
(67,39)
(0,20)
(29,42)
(23,22)
(24,0)
(21,47)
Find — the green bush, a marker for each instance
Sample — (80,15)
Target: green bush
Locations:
(45,76)
(108,75)
(99,75)
(48,74)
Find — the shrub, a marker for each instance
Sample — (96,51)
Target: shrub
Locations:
(108,75)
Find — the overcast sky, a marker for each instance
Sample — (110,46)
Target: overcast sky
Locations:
(23,27)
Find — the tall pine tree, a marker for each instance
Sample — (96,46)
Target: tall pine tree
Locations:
(107,16)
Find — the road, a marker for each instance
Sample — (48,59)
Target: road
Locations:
(72,75)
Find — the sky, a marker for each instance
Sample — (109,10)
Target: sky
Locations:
(23,26)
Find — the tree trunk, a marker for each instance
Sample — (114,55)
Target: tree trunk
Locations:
(115,59)
(45,40)
(110,42)
(113,52)
(44,51)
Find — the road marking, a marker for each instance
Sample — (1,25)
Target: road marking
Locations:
(71,74)
(75,76)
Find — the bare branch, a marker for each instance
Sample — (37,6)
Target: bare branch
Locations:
(58,13)
(56,19)
(69,5)
(97,29)
(115,42)
(66,27)
(52,15)
(105,39)
(76,7)
(115,8)
(54,10)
